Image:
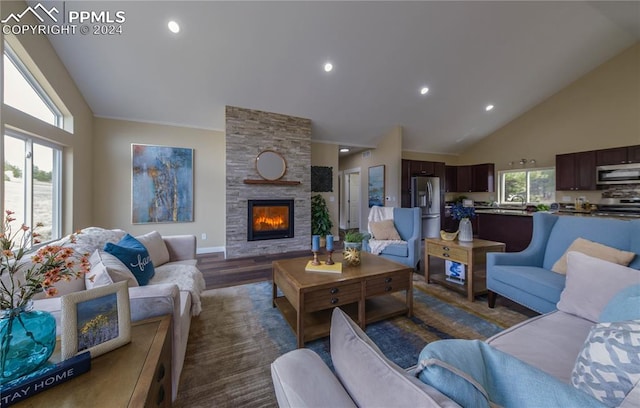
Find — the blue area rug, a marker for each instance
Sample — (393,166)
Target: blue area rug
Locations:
(401,339)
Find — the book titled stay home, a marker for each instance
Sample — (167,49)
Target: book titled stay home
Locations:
(48,376)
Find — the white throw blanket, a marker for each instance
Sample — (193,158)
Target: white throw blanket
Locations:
(186,277)
(378,246)
(377,213)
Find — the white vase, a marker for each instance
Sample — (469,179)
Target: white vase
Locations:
(465,230)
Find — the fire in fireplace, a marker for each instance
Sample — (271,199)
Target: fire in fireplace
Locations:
(269,219)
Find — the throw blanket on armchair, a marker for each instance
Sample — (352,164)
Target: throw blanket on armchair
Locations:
(377,213)
(186,277)
(378,246)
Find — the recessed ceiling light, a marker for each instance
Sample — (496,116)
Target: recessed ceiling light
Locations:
(488,108)
(344,149)
(173,27)
(424,90)
(328,67)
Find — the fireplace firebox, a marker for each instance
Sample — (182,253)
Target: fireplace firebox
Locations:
(269,219)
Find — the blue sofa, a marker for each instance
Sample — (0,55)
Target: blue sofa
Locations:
(526,277)
(408,222)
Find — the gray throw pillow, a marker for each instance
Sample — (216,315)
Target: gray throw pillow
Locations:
(369,377)
(591,283)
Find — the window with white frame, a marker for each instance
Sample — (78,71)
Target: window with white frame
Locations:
(23,92)
(536,186)
(32,183)
(32,165)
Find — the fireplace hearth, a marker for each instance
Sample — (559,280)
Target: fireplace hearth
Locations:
(270,219)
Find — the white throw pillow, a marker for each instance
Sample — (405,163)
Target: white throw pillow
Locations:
(591,283)
(98,274)
(115,268)
(156,247)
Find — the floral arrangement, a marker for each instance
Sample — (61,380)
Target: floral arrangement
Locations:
(458,211)
(49,264)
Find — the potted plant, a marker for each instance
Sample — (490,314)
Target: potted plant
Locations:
(353,246)
(321,223)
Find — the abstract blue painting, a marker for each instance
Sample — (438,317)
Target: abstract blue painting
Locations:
(161,184)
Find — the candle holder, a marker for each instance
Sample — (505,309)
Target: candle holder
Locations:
(315,258)
(329,260)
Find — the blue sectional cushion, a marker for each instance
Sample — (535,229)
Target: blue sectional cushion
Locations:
(133,254)
(396,250)
(540,282)
(625,305)
(472,373)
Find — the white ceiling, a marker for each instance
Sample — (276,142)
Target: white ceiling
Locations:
(269,56)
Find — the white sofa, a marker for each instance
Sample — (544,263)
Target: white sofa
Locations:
(175,289)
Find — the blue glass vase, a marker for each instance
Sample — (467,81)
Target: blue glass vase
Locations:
(28,338)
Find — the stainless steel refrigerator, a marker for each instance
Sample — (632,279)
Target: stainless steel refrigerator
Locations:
(425,193)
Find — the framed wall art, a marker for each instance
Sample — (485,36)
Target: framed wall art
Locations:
(161,184)
(376,186)
(96,320)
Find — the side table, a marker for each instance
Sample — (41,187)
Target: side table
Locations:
(137,374)
(473,254)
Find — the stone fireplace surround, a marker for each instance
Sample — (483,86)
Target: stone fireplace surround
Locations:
(249,132)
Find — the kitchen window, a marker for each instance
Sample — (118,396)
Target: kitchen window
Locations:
(534,186)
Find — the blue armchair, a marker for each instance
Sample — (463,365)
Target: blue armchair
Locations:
(526,277)
(408,223)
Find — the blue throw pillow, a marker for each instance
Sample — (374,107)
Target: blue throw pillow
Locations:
(625,305)
(133,254)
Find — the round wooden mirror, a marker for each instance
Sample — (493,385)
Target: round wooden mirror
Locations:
(270,165)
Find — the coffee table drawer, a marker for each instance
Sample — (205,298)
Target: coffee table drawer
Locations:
(386,284)
(444,251)
(326,298)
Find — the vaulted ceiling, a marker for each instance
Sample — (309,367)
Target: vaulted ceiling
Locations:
(270,56)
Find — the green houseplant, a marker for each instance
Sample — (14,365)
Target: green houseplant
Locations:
(353,247)
(321,223)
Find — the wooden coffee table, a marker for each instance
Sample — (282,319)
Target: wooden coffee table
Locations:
(362,291)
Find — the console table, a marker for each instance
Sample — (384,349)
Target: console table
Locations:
(473,254)
(135,375)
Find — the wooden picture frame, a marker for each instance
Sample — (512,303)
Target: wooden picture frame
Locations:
(96,320)
(376,186)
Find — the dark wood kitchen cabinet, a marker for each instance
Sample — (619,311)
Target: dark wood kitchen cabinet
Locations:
(475,178)
(411,168)
(483,177)
(464,179)
(576,171)
(450,179)
(618,155)
(514,230)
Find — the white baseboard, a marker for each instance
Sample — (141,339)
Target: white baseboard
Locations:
(210,250)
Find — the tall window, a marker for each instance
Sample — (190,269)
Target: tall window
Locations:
(32,183)
(23,92)
(32,166)
(528,185)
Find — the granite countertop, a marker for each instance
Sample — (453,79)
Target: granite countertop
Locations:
(523,213)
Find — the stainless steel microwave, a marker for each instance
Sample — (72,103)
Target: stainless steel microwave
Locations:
(618,174)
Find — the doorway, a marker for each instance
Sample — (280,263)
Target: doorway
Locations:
(350,205)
